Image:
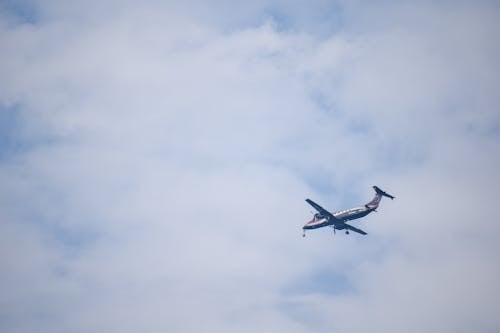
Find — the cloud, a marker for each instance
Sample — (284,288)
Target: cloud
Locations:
(167,149)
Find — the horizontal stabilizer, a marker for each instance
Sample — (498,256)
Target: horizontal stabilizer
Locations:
(379,191)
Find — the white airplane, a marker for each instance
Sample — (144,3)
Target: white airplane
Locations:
(337,220)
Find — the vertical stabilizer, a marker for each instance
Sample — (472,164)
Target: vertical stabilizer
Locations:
(378,196)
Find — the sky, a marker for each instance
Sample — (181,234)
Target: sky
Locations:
(155,157)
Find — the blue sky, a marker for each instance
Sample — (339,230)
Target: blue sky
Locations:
(155,158)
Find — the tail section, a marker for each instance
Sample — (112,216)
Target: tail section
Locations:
(378,196)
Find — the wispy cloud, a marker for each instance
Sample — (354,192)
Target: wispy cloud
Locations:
(155,159)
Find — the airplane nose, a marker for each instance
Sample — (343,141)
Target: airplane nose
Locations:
(314,223)
(308,225)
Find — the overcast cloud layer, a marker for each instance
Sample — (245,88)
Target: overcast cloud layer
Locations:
(155,157)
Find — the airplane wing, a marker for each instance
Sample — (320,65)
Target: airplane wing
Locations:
(321,210)
(350,227)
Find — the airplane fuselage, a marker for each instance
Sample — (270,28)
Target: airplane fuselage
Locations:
(342,216)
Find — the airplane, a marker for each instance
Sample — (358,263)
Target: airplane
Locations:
(337,220)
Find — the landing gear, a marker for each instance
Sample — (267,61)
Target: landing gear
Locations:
(347,232)
(303,233)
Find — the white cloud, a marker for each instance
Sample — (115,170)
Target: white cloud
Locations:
(170,152)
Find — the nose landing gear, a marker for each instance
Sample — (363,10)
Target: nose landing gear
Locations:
(334,229)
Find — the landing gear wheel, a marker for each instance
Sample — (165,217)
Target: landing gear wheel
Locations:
(347,232)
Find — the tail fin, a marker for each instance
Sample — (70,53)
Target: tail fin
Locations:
(378,196)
